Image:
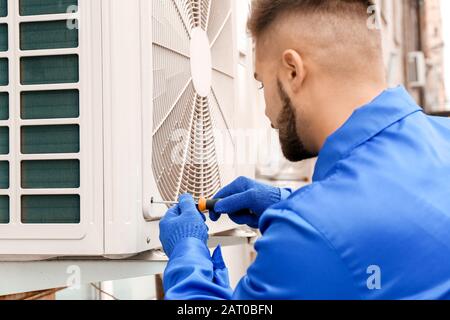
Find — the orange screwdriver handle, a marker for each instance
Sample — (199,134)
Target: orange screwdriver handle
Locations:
(206,204)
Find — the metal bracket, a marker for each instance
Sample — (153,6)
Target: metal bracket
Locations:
(18,277)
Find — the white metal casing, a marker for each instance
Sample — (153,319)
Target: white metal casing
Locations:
(117,183)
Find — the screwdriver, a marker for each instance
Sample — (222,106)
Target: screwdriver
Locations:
(203,204)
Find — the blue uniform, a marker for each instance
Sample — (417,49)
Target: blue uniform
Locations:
(374,224)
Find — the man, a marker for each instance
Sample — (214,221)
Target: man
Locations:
(375,222)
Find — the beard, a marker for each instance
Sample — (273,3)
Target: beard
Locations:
(291,143)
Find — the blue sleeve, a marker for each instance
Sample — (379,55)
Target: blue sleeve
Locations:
(294,261)
(192,274)
(285,193)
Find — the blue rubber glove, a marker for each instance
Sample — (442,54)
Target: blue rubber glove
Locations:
(180,222)
(245,200)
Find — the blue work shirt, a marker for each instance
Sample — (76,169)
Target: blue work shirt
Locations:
(374,224)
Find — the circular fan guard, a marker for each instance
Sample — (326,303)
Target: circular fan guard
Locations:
(185,122)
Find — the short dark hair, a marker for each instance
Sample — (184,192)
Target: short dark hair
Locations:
(264,12)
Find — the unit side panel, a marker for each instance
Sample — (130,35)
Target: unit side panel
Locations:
(55,130)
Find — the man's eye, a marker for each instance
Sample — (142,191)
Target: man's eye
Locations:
(261,86)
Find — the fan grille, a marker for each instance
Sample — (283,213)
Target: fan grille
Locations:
(184,146)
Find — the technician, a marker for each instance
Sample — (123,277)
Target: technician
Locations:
(375,222)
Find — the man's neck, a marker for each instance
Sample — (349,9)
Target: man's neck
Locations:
(340,103)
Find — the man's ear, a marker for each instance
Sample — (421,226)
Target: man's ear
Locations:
(293,69)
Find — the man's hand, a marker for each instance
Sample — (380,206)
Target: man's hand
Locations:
(244,200)
(180,222)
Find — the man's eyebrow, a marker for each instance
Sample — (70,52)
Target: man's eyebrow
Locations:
(256,76)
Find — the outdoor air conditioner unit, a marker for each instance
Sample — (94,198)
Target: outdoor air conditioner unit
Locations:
(417,69)
(105,104)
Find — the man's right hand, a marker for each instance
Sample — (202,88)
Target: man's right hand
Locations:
(245,200)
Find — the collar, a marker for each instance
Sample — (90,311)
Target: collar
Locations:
(389,107)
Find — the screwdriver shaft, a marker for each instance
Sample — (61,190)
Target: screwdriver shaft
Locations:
(165,202)
(202,204)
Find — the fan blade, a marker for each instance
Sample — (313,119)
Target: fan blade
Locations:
(219,11)
(201,176)
(205,10)
(171,73)
(168,27)
(224,91)
(222,50)
(219,120)
(184,9)
(170,145)
(191,12)
(224,141)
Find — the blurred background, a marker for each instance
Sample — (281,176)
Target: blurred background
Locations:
(417,54)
